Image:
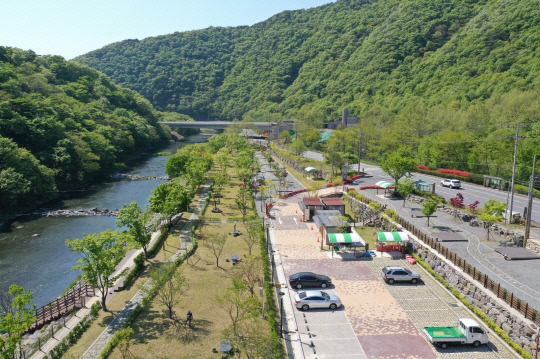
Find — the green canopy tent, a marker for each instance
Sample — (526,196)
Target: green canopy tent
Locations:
(309,169)
(398,237)
(345,238)
(384,184)
(392,237)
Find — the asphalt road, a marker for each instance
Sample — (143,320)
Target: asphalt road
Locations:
(471,192)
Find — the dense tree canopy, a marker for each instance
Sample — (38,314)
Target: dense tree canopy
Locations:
(399,55)
(63,124)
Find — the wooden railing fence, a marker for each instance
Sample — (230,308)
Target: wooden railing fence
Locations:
(73,299)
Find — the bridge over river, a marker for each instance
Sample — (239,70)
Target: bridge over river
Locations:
(273,128)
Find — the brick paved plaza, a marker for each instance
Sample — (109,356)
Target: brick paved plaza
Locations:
(386,320)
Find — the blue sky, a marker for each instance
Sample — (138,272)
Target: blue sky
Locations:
(73,27)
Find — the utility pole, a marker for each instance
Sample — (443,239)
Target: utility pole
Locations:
(529,205)
(510,218)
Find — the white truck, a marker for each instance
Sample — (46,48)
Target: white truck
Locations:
(467,331)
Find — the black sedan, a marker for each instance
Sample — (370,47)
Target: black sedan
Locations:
(308,279)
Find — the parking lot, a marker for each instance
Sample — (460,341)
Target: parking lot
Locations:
(378,320)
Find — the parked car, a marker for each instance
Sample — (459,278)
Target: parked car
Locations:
(451,183)
(392,274)
(316,299)
(308,279)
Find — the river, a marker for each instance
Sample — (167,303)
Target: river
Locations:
(43,263)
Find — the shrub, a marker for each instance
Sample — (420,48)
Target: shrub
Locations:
(453,172)
(425,168)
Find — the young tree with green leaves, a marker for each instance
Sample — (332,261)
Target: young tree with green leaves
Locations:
(169,284)
(429,207)
(253,235)
(124,336)
(297,147)
(16,320)
(100,253)
(492,213)
(249,271)
(131,216)
(405,187)
(216,243)
(242,201)
(335,160)
(285,136)
(397,166)
(238,303)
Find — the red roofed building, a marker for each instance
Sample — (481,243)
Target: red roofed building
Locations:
(309,205)
(333,203)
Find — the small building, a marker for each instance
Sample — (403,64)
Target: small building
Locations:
(494,182)
(424,186)
(330,221)
(333,203)
(309,205)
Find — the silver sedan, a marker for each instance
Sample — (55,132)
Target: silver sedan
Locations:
(316,299)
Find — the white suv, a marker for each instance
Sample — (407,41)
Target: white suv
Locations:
(451,183)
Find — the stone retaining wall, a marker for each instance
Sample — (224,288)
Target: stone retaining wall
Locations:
(533,245)
(521,331)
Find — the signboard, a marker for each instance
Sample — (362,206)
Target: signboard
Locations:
(344,170)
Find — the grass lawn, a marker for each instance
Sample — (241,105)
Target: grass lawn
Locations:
(157,336)
(368,235)
(306,182)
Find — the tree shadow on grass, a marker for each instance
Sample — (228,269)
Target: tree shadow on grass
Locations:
(150,325)
(181,331)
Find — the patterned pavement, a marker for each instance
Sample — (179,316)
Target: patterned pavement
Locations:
(381,327)
(387,321)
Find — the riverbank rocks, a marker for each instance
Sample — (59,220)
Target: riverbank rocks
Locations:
(80,212)
(125,176)
(520,331)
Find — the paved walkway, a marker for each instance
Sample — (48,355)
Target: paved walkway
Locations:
(518,276)
(117,323)
(378,320)
(371,325)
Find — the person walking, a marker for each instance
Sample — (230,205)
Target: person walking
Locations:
(189,318)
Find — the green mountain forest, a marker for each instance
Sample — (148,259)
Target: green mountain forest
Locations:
(435,77)
(62,125)
(354,53)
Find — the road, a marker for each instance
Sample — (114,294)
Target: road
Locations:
(471,192)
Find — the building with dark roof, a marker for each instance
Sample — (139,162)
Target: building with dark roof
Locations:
(309,205)
(333,203)
(330,221)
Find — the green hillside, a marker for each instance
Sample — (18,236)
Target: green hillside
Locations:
(351,53)
(63,125)
(446,81)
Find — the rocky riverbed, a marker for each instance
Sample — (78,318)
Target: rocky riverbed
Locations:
(125,176)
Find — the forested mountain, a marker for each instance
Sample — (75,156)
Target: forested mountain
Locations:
(354,53)
(447,81)
(63,124)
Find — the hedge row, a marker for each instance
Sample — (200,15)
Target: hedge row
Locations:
(74,334)
(269,297)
